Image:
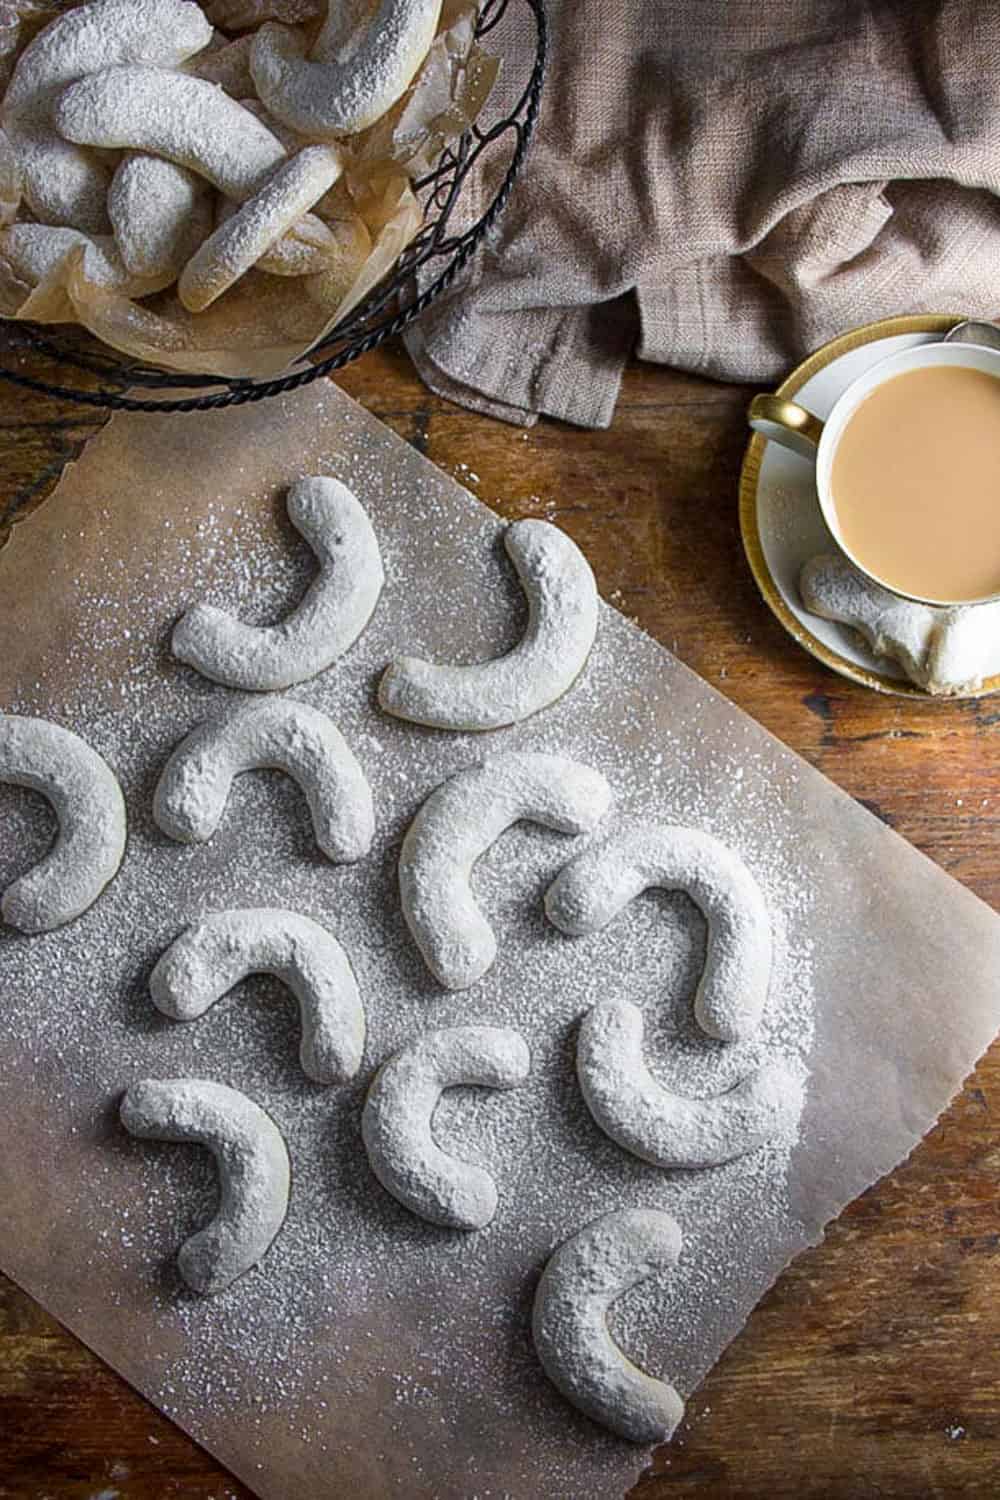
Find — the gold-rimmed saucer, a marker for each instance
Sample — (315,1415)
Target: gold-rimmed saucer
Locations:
(779,513)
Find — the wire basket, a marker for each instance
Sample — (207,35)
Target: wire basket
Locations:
(385,312)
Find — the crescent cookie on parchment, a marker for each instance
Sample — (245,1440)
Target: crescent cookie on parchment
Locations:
(460,820)
(327,621)
(671,1130)
(187,120)
(563,611)
(570,1323)
(254,1172)
(273,734)
(84,794)
(398,1120)
(214,954)
(634,857)
(359,66)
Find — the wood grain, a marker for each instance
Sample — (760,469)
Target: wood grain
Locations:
(873,1367)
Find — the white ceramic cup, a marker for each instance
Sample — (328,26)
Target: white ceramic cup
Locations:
(796,428)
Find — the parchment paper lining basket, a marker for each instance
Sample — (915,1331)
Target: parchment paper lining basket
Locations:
(390,308)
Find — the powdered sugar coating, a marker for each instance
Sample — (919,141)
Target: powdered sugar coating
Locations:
(311,246)
(216,953)
(454,828)
(278,734)
(630,859)
(944,651)
(331,615)
(160,213)
(570,1323)
(314,248)
(356,72)
(562,624)
(240,241)
(83,792)
(663,1127)
(187,120)
(397,1124)
(254,1173)
(34,252)
(307,249)
(62,183)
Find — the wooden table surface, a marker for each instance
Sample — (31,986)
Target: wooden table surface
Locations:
(873,1367)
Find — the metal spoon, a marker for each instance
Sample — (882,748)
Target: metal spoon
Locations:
(973,331)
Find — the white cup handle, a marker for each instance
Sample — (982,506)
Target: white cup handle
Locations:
(787,423)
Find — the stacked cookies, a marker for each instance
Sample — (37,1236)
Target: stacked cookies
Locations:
(163,152)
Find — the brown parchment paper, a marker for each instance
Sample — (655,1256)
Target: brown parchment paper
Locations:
(902,965)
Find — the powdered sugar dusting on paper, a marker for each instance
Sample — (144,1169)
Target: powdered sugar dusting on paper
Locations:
(314,1321)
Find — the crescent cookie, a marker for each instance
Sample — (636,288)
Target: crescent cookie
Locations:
(581,1281)
(562,623)
(278,734)
(333,613)
(313,246)
(211,956)
(357,71)
(944,651)
(597,885)
(309,248)
(34,252)
(454,828)
(84,794)
(398,1120)
(187,120)
(663,1128)
(160,213)
(242,239)
(254,1173)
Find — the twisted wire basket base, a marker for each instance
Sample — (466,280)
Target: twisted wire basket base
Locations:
(387,310)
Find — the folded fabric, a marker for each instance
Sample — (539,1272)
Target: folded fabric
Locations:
(722,186)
